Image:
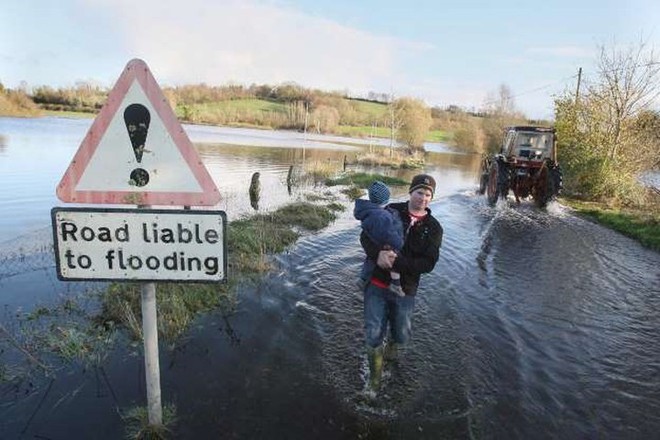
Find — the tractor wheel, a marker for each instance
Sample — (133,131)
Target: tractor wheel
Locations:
(557,179)
(483,177)
(483,183)
(498,182)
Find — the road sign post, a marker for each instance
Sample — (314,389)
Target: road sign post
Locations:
(151,361)
(137,153)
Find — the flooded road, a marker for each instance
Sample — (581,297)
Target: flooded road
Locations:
(534,324)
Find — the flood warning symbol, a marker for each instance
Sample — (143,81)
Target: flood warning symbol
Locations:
(137,118)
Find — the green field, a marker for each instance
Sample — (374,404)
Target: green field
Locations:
(374,110)
(235,109)
(243,105)
(363,131)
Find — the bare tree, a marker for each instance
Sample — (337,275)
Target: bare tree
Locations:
(607,137)
(501,103)
(628,84)
(500,112)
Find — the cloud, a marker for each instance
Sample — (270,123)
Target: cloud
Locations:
(251,41)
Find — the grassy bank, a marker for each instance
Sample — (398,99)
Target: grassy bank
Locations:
(250,242)
(73,332)
(640,225)
(358,182)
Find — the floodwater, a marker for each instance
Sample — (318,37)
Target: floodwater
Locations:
(534,324)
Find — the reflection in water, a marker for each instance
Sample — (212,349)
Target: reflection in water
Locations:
(3,143)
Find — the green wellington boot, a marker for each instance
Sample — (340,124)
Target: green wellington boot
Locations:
(391,352)
(375,356)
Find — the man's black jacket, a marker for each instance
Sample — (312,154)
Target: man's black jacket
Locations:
(421,249)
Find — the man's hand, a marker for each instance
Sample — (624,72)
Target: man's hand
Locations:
(386,259)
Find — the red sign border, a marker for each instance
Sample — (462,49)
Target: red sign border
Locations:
(137,69)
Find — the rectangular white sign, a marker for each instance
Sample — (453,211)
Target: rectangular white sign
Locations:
(140,244)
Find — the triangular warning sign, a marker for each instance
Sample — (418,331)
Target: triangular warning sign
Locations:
(136,152)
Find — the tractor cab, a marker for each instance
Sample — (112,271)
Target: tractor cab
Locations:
(528,143)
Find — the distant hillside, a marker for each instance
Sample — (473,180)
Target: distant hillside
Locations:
(286,106)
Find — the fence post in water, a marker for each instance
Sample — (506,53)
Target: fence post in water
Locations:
(289,179)
(255,191)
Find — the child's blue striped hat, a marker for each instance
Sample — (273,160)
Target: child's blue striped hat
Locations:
(379,193)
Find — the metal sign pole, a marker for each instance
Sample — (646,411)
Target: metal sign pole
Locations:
(151,360)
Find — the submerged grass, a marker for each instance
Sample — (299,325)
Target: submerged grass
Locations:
(391,157)
(363,180)
(317,171)
(301,214)
(353,192)
(138,427)
(358,182)
(641,226)
(81,343)
(381,160)
(178,304)
(64,333)
(250,241)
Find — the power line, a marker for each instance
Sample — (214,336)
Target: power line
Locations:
(537,89)
(635,66)
(568,78)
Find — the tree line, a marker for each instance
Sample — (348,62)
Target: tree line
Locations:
(608,133)
(407,119)
(296,107)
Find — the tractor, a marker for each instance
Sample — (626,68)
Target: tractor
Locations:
(526,164)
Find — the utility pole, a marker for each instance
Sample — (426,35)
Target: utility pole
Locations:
(577,89)
(306,118)
(305,133)
(391,122)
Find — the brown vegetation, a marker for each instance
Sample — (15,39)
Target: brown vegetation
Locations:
(16,103)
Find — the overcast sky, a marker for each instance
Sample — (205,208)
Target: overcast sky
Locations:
(444,52)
